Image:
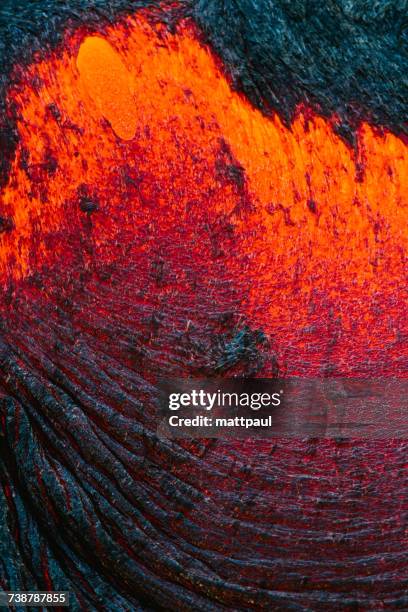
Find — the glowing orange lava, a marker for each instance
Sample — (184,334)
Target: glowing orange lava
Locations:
(109,85)
(144,123)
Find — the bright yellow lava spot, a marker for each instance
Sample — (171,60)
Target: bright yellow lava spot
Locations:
(108,83)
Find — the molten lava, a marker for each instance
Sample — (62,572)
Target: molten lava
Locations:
(109,85)
(143,127)
(154,222)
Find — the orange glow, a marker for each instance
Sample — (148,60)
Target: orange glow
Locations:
(317,228)
(108,83)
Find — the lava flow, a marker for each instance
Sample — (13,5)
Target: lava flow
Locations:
(155,222)
(140,130)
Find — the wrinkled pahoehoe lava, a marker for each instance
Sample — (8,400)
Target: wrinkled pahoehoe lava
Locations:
(199,189)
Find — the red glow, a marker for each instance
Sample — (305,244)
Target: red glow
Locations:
(139,123)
